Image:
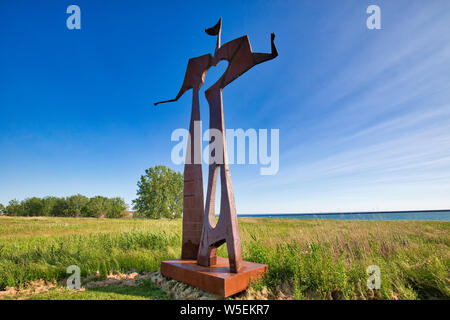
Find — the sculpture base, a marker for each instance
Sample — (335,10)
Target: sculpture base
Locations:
(216,279)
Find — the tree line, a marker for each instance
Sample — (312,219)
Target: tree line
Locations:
(73,206)
(159,195)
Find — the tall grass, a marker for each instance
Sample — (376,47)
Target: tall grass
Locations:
(31,249)
(328,259)
(48,258)
(308,259)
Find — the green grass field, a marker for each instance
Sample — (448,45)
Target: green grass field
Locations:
(308,259)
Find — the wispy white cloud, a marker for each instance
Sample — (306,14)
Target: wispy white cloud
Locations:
(377,125)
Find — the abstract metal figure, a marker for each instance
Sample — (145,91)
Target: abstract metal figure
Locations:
(193,206)
(201,236)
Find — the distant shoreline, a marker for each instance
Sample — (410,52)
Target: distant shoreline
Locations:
(339,213)
(421,215)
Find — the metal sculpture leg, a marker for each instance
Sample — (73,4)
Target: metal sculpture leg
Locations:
(227,229)
(193,210)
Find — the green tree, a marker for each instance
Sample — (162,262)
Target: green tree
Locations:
(117,208)
(75,205)
(14,209)
(33,207)
(2,209)
(96,207)
(48,206)
(59,208)
(160,194)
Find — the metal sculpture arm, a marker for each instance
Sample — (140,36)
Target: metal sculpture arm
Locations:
(240,59)
(262,57)
(194,77)
(180,93)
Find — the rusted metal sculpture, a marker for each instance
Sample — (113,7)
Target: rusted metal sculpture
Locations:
(240,58)
(201,236)
(193,209)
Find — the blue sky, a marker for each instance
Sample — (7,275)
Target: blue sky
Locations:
(364,115)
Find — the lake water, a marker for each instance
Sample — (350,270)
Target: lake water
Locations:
(443,215)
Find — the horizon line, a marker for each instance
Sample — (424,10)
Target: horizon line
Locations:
(334,213)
